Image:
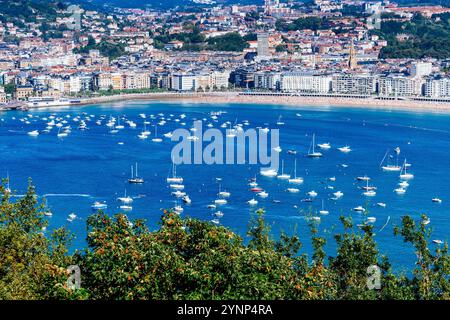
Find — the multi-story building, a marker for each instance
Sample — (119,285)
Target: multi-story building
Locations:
(184,82)
(23,92)
(136,80)
(437,88)
(354,84)
(399,85)
(421,69)
(297,81)
(242,78)
(2,95)
(267,80)
(219,79)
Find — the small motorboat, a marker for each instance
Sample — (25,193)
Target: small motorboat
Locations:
(33,133)
(186,199)
(312,194)
(218,214)
(71,217)
(220,201)
(400,191)
(345,149)
(263,194)
(99,205)
(436,200)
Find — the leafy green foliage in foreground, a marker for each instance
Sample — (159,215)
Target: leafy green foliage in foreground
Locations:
(192,259)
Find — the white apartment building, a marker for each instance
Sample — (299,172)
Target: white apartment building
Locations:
(354,84)
(437,88)
(397,85)
(184,82)
(421,69)
(219,79)
(137,80)
(267,80)
(291,82)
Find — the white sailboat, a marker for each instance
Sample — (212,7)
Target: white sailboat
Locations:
(279,122)
(174,178)
(125,199)
(283,176)
(135,177)
(405,175)
(313,154)
(295,179)
(156,139)
(391,167)
(323,211)
(370,192)
(61,134)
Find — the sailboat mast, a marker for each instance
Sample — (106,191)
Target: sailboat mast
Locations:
(295,168)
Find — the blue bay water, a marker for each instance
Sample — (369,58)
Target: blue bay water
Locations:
(90,165)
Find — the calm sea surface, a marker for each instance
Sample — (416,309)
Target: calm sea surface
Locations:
(94,165)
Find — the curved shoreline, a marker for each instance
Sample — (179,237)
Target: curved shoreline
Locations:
(299,101)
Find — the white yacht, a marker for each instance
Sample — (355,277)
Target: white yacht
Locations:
(71,217)
(220,201)
(33,133)
(126,207)
(135,177)
(218,214)
(324,146)
(283,176)
(174,178)
(252,202)
(338,194)
(391,167)
(268,172)
(279,122)
(156,139)
(312,153)
(262,194)
(186,199)
(323,211)
(125,199)
(345,149)
(400,191)
(312,193)
(405,175)
(295,179)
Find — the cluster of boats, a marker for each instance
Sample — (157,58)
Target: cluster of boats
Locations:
(290,181)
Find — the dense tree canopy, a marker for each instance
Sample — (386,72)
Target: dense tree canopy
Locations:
(423,37)
(192,259)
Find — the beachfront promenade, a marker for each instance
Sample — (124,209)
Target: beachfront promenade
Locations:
(261,97)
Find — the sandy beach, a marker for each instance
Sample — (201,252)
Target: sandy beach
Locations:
(291,100)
